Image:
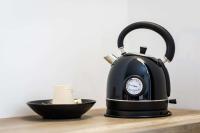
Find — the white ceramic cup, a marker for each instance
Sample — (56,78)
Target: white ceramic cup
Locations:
(62,95)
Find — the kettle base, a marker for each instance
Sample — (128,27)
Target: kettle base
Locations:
(137,114)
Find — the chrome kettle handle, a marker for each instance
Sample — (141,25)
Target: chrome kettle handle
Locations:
(170,45)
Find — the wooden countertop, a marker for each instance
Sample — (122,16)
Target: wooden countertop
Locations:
(182,121)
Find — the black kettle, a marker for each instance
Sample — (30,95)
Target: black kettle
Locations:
(139,85)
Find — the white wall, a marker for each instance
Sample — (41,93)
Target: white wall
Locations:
(182,19)
(49,42)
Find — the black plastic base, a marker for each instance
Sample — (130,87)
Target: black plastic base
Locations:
(137,109)
(137,114)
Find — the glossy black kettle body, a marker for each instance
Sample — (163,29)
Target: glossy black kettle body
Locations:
(139,85)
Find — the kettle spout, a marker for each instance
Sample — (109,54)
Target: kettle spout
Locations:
(110,58)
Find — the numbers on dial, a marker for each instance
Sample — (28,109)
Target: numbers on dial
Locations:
(134,86)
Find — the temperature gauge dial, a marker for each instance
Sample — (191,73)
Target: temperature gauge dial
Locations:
(134,86)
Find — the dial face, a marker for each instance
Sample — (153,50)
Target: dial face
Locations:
(134,86)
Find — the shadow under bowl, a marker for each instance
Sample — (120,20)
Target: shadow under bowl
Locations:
(60,111)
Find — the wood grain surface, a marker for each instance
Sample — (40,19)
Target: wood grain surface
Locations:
(182,121)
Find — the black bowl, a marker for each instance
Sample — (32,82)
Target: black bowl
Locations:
(60,111)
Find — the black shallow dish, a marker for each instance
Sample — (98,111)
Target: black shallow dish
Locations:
(60,111)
